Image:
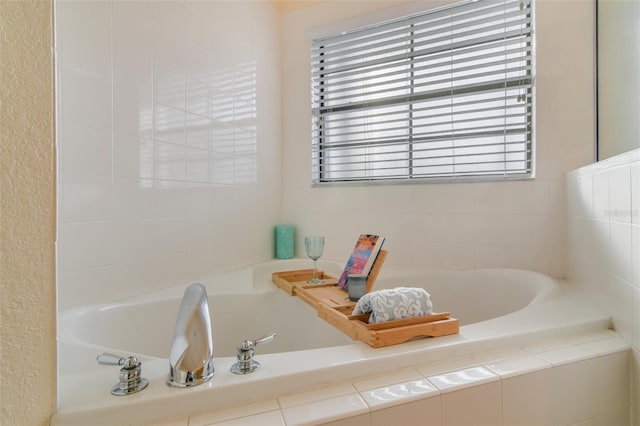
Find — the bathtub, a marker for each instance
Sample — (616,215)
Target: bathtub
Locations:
(496,308)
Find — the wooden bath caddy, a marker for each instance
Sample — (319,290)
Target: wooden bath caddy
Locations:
(333,305)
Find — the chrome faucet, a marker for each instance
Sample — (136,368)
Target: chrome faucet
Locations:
(131,380)
(191,356)
(246,364)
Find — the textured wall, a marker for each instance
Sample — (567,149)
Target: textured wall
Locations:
(27,215)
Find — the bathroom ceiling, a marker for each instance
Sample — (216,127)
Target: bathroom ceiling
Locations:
(288,6)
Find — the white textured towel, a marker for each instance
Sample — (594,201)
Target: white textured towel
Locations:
(394,304)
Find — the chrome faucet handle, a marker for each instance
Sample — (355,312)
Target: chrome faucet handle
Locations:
(246,364)
(248,344)
(111,359)
(130,380)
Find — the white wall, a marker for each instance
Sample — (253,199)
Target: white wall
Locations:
(169,143)
(604,244)
(456,226)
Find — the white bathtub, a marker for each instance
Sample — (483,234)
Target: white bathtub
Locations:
(495,308)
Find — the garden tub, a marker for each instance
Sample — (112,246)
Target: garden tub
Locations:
(496,307)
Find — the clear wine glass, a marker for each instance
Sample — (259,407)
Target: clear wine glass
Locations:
(314,247)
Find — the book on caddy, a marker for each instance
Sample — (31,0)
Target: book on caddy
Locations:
(362,257)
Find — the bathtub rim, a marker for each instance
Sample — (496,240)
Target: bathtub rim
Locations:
(256,279)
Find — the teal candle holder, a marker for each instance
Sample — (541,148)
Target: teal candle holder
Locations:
(284,237)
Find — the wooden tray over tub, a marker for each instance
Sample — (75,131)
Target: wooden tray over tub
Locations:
(333,305)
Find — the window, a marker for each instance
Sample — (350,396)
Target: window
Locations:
(445,94)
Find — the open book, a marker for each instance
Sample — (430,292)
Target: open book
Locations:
(362,257)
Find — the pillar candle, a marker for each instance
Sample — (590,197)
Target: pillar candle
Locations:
(284,241)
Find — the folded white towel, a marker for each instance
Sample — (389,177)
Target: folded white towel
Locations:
(394,304)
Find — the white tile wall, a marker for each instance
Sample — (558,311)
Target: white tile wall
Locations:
(230,414)
(481,406)
(361,420)
(526,401)
(425,412)
(515,386)
(573,387)
(389,396)
(271,418)
(158,179)
(330,409)
(454,226)
(604,254)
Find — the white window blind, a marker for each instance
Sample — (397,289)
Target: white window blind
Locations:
(443,94)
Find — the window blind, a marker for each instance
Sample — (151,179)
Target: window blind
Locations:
(445,94)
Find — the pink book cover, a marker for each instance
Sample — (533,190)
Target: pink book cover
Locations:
(362,257)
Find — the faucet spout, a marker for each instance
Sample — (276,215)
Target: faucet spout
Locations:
(191,356)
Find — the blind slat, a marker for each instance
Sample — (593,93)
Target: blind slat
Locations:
(386,142)
(428,18)
(340,157)
(516,82)
(380,44)
(461,163)
(343,94)
(427,110)
(327,66)
(358,130)
(384,119)
(418,65)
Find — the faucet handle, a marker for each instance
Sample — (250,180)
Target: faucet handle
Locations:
(250,344)
(246,364)
(111,359)
(130,380)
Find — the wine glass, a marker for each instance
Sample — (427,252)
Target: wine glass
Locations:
(314,247)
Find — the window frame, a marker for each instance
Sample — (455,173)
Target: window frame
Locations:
(318,164)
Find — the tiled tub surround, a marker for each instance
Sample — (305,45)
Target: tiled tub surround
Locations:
(604,245)
(552,320)
(582,380)
(168,143)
